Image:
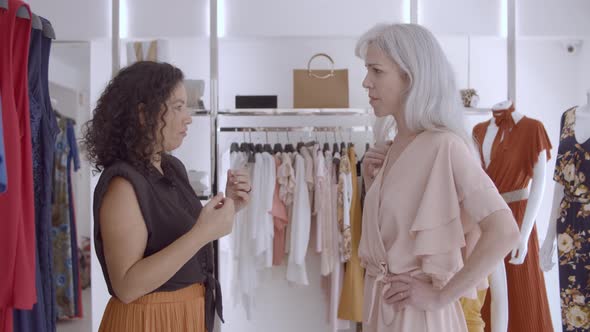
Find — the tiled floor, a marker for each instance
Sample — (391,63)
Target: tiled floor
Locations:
(79,325)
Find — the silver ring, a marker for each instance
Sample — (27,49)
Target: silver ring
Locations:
(247,192)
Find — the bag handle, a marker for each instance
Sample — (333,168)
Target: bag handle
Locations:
(321,77)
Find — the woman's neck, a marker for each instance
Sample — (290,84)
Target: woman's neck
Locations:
(402,128)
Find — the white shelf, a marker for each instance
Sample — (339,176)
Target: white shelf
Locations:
(477,111)
(295,111)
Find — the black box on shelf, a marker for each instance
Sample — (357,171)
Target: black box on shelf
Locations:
(256,101)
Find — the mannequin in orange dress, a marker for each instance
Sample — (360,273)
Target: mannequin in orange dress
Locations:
(514,157)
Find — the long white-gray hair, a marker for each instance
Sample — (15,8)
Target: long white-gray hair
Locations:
(432,100)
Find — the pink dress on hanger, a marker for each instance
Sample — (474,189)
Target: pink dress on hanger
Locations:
(280,219)
(422,220)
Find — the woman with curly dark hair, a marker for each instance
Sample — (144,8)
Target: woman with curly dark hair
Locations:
(152,235)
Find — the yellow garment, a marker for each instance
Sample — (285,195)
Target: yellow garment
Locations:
(351,299)
(152,52)
(472,311)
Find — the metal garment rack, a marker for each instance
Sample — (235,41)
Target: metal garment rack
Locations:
(296,129)
(308,126)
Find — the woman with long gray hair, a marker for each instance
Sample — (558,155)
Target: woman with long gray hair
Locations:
(434,224)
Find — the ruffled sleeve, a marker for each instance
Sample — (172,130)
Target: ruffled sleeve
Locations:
(458,194)
(539,142)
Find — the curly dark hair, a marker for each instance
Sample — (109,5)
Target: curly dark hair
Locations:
(128,114)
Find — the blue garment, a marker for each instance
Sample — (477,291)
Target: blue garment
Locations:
(49,130)
(43,134)
(74,157)
(3,177)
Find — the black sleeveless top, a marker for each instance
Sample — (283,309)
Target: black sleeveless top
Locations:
(170,208)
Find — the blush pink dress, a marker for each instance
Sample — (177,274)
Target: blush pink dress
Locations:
(422,220)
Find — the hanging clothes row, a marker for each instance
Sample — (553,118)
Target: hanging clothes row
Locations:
(43,132)
(17,239)
(304,196)
(30,255)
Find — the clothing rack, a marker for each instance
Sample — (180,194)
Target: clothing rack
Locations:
(295,112)
(296,129)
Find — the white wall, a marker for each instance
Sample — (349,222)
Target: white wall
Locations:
(153,18)
(584,73)
(69,65)
(553,18)
(100,71)
(307,17)
(76,19)
(461,16)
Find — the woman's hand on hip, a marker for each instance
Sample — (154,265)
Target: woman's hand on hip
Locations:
(420,295)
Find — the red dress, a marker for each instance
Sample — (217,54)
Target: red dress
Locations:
(17,210)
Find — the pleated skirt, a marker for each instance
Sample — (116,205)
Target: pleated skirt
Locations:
(181,310)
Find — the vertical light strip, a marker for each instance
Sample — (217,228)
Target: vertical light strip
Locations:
(115,37)
(407,11)
(504,18)
(415,12)
(511,49)
(221,18)
(214,90)
(123,19)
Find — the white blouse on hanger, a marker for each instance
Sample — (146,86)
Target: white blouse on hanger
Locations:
(319,195)
(287,192)
(247,277)
(264,222)
(301,224)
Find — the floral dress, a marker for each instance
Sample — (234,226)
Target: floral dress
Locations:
(573,226)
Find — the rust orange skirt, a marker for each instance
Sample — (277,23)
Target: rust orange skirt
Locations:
(181,310)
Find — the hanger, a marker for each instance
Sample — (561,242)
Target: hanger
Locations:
(342,147)
(36,22)
(258,148)
(299,146)
(234,147)
(4,4)
(278,148)
(267,148)
(250,151)
(23,12)
(289,148)
(335,148)
(367,147)
(244,147)
(47,28)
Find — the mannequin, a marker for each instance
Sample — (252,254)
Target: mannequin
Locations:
(570,217)
(499,304)
(537,186)
(582,129)
(514,151)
